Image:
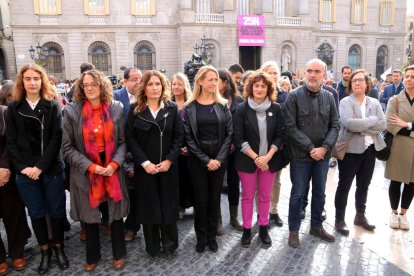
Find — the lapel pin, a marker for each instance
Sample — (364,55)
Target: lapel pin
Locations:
(270,114)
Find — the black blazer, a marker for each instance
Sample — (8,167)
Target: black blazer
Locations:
(246,129)
(225,132)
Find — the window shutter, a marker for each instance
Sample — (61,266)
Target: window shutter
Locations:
(392,13)
(133,7)
(353,13)
(86,6)
(364,12)
(59,7)
(152,7)
(321,6)
(106,7)
(333,19)
(36,6)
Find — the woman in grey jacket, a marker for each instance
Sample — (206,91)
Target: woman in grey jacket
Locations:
(362,120)
(94,146)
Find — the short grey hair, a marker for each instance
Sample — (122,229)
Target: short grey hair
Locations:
(317,60)
(268,64)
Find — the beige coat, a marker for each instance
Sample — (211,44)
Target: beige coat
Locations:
(400,165)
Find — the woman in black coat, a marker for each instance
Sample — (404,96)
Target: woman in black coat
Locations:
(208,128)
(11,207)
(154,138)
(34,138)
(258,134)
(228,90)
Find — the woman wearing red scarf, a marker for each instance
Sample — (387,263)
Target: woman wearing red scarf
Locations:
(155,136)
(94,146)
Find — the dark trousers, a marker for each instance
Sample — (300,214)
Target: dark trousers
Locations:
(14,218)
(394,193)
(156,235)
(184,180)
(207,187)
(131,223)
(359,165)
(93,245)
(233,182)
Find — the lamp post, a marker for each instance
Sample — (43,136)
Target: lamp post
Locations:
(204,51)
(325,53)
(39,53)
(409,50)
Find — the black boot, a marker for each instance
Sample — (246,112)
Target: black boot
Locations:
(45,261)
(61,257)
(246,238)
(264,236)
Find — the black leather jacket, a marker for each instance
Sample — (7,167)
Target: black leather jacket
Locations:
(225,132)
(311,121)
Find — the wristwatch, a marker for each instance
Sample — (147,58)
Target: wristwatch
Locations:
(410,126)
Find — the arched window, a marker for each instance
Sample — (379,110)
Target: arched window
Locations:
(382,61)
(55,60)
(99,54)
(354,57)
(144,55)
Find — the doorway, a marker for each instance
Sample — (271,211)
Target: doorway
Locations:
(249,57)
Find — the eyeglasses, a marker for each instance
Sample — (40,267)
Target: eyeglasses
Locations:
(358,80)
(86,85)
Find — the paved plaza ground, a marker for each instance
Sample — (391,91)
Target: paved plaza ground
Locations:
(385,252)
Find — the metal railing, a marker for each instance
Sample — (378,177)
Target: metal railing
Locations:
(209,18)
(288,21)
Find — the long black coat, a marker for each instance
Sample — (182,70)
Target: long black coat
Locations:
(155,140)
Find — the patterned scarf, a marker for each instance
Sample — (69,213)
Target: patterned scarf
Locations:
(102,187)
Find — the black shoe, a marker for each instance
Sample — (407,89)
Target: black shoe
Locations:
(276,219)
(169,254)
(340,226)
(246,238)
(200,246)
(155,256)
(332,164)
(264,236)
(323,215)
(303,214)
(212,244)
(361,220)
(61,257)
(45,261)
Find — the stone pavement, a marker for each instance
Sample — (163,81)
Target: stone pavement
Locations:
(347,256)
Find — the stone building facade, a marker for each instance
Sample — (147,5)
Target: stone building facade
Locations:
(161,34)
(7,57)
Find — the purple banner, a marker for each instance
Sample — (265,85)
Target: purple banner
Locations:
(251,30)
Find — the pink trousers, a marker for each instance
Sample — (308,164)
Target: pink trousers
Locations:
(264,190)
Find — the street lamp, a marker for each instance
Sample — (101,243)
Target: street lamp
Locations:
(204,51)
(325,53)
(38,53)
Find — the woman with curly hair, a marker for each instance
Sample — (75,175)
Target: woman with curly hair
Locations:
(155,136)
(34,137)
(94,146)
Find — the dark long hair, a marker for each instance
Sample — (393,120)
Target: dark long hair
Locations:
(231,90)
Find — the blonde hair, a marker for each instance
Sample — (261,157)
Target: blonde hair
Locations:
(187,88)
(201,74)
(46,92)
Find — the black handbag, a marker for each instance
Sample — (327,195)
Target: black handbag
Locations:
(282,159)
(384,154)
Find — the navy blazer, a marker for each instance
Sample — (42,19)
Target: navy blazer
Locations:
(390,91)
(122,96)
(246,129)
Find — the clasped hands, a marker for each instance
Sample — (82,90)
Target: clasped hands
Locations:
(4,176)
(262,162)
(32,172)
(318,153)
(213,165)
(164,166)
(108,171)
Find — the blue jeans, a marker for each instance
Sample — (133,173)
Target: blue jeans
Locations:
(45,195)
(300,173)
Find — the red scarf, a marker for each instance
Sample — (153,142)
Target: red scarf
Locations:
(102,187)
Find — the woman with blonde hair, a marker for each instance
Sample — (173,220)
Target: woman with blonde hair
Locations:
(155,136)
(208,128)
(181,92)
(34,137)
(94,146)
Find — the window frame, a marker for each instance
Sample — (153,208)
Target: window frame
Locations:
(87,11)
(321,11)
(364,6)
(136,12)
(38,10)
(391,15)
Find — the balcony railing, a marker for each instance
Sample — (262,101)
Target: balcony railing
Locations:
(209,18)
(49,19)
(326,25)
(98,19)
(385,29)
(357,27)
(288,21)
(143,20)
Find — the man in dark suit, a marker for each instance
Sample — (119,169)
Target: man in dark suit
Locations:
(392,89)
(126,95)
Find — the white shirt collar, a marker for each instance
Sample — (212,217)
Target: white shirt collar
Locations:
(32,104)
(155,113)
